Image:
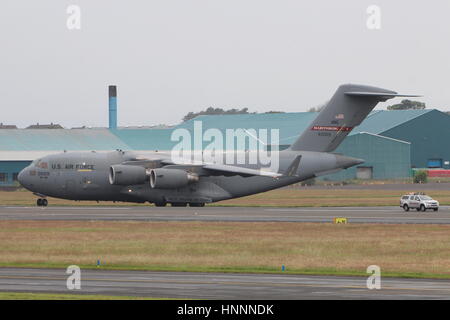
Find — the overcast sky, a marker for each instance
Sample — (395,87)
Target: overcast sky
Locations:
(169,57)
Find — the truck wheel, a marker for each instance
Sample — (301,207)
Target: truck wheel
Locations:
(422,208)
(405,207)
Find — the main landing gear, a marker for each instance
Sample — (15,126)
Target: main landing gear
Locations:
(180,204)
(41,202)
(196,204)
(160,204)
(184,204)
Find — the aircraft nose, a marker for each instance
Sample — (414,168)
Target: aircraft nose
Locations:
(21,176)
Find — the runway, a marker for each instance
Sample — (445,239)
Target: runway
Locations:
(392,215)
(186,285)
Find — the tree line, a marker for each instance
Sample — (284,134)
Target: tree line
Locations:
(403,105)
(217,111)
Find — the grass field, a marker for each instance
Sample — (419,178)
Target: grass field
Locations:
(289,197)
(332,197)
(400,250)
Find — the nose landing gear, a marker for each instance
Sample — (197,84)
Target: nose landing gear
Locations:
(42,202)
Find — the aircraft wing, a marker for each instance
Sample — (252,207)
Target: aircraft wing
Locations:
(215,169)
(233,170)
(148,164)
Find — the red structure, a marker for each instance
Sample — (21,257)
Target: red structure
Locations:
(438,173)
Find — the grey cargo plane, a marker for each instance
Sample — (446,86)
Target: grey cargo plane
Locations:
(157,178)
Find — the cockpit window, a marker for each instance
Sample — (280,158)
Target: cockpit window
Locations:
(40,164)
(43,165)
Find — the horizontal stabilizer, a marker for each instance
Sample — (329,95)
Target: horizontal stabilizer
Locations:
(383,96)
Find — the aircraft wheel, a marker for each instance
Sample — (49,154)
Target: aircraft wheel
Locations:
(435,209)
(160,204)
(405,207)
(418,209)
(41,202)
(179,204)
(196,204)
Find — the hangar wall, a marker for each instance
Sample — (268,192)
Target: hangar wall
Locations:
(9,171)
(430,137)
(386,158)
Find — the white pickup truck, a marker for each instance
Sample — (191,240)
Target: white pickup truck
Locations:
(418,201)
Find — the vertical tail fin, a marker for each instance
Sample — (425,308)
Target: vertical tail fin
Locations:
(348,107)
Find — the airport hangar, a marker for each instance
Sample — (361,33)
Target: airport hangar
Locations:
(391,142)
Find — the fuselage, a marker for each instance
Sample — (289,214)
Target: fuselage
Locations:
(85,176)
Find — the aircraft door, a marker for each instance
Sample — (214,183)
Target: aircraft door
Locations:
(69,188)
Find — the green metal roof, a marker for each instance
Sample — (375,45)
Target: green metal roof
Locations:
(256,120)
(380,121)
(59,139)
(290,125)
(145,139)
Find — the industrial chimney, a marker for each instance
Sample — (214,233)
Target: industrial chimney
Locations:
(112,107)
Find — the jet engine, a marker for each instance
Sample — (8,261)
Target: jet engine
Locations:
(171,178)
(125,175)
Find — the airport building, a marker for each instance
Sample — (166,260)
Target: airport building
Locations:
(391,142)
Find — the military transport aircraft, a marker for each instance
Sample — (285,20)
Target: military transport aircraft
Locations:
(158,178)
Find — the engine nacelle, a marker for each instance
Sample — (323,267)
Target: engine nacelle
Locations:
(124,175)
(171,178)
